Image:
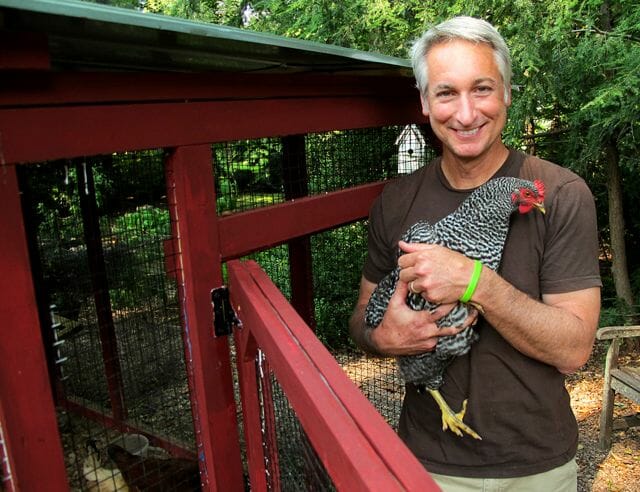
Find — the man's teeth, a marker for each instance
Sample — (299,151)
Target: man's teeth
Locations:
(468,133)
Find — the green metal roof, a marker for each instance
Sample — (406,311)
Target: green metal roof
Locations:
(89,36)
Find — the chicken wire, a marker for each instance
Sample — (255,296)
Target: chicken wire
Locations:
(97,229)
(117,203)
(291,462)
(255,173)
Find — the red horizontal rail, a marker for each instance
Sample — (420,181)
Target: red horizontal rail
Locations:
(357,447)
(277,224)
(65,88)
(72,131)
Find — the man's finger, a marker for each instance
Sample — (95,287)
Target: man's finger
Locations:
(400,294)
(441,310)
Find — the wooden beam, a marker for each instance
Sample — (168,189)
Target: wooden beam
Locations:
(75,88)
(271,226)
(24,51)
(190,189)
(28,416)
(45,133)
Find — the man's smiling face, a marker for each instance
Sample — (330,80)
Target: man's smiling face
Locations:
(465,99)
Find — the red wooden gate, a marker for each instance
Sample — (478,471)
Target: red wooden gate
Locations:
(356,446)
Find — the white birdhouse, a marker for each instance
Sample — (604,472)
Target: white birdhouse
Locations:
(411,149)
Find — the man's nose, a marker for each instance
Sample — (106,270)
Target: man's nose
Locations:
(466,113)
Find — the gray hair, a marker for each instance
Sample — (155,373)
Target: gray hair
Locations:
(464,28)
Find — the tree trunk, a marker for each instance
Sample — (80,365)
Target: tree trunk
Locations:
(616,225)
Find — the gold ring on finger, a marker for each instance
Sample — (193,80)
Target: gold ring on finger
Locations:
(412,288)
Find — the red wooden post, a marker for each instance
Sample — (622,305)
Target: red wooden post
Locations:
(270,436)
(28,416)
(190,187)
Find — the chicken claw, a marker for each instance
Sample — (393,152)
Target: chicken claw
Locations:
(453,421)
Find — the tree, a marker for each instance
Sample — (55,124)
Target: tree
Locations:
(576,84)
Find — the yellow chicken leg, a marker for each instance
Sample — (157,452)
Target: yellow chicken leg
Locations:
(450,420)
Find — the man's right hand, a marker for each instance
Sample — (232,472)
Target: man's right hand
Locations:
(402,331)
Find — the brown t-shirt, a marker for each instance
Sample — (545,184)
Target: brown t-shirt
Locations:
(518,405)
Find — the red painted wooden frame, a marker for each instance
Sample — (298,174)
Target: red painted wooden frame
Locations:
(26,403)
(357,447)
(192,198)
(102,113)
(277,224)
(48,115)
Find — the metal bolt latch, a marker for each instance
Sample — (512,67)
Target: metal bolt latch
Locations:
(224,317)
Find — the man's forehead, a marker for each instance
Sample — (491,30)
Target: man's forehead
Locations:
(451,61)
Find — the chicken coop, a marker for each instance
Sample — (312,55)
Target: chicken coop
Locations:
(183,226)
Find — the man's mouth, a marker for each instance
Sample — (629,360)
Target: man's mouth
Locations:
(468,133)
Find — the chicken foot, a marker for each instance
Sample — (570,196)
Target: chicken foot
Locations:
(450,420)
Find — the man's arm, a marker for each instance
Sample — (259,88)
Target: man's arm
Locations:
(559,331)
(402,331)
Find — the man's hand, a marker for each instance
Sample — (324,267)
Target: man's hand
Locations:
(438,273)
(402,331)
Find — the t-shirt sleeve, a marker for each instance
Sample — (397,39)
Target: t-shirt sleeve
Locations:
(570,259)
(380,258)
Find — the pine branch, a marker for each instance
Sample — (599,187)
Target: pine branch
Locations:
(595,30)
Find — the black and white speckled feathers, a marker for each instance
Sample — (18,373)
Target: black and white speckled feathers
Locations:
(478,228)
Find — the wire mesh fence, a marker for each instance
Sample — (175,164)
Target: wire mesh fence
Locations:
(98,231)
(109,311)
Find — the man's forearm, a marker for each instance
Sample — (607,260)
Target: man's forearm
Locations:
(361,333)
(559,331)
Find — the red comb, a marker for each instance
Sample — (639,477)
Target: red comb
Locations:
(540,186)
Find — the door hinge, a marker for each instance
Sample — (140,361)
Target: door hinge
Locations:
(224,317)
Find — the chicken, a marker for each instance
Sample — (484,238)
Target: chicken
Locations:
(477,228)
(156,474)
(101,479)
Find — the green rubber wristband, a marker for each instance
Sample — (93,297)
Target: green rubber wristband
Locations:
(473,283)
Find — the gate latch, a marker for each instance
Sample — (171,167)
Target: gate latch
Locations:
(224,317)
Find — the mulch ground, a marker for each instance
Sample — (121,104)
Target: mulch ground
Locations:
(617,469)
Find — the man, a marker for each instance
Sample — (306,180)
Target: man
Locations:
(540,310)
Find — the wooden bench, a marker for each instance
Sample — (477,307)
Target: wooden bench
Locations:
(624,380)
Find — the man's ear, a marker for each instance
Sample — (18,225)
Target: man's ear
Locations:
(425,105)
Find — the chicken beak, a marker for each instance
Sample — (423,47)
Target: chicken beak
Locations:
(540,207)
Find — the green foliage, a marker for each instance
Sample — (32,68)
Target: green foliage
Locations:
(135,258)
(617,313)
(576,87)
(338,256)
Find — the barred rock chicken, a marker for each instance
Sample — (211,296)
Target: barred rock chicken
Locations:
(477,228)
